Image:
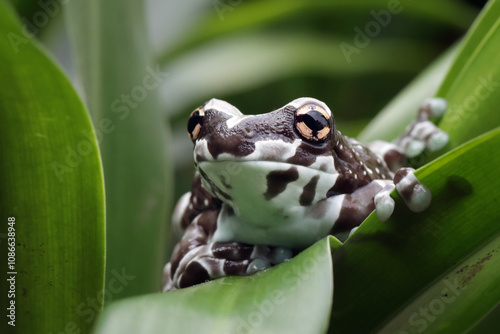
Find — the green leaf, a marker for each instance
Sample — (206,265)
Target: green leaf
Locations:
(414,258)
(294,297)
(472,85)
(391,121)
(51,182)
(121,85)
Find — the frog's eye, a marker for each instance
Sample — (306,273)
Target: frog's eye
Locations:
(313,122)
(194,123)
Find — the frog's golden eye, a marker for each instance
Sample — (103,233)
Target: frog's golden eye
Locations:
(313,122)
(195,122)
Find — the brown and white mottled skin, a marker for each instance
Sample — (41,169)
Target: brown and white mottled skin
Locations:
(270,185)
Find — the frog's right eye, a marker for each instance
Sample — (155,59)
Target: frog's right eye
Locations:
(195,122)
(313,122)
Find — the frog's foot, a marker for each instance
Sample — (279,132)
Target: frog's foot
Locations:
(384,204)
(416,196)
(221,259)
(423,134)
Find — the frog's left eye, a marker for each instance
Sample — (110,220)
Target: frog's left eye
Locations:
(313,122)
(195,122)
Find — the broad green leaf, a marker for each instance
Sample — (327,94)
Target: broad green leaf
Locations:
(414,258)
(391,121)
(121,86)
(462,296)
(51,182)
(294,297)
(472,85)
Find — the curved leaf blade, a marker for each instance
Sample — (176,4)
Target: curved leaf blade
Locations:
(472,84)
(470,87)
(292,297)
(456,301)
(51,178)
(391,121)
(411,252)
(121,86)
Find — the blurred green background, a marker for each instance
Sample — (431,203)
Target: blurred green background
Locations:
(259,55)
(355,55)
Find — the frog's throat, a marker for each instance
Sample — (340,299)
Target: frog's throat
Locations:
(278,189)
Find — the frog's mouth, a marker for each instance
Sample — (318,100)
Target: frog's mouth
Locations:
(246,185)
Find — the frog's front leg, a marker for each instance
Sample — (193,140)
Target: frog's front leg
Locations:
(416,195)
(421,134)
(358,205)
(355,207)
(214,260)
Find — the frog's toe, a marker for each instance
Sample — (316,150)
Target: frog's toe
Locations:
(352,231)
(257,265)
(438,140)
(384,204)
(414,148)
(416,196)
(437,106)
(281,254)
(423,135)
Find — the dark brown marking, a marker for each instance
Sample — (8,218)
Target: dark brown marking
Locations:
(351,215)
(309,192)
(232,250)
(400,174)
(278,180)
(240,140)
(356,207)
(394,159)
(306,153)
(235,267)
(352,161)
(409,190)
(195,273)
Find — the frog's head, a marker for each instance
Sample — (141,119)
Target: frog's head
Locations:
(274,162)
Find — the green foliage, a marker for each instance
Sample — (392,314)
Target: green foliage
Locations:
(51,182)
(268,302)
(473,82)
(443,261)
(120,84)
(258,55)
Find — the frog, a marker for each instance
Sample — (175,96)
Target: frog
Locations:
(268,186)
